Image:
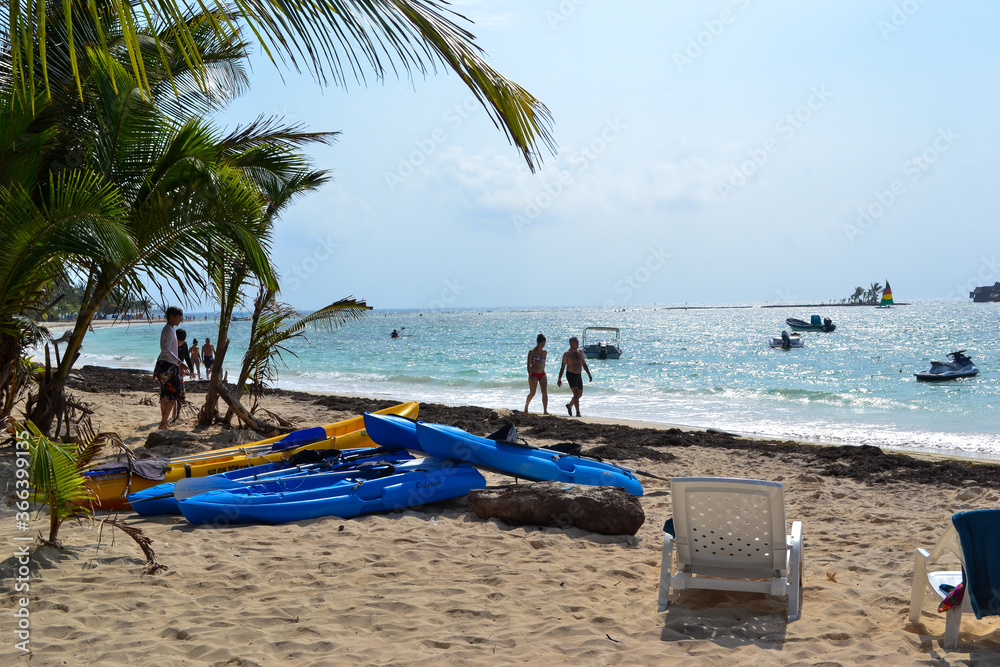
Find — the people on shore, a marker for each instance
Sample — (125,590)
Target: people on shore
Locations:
(574,362)
(536,374)
(186,368)
(168,364)
(196,358)
(208,357)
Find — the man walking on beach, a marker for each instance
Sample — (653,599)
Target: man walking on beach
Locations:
(167,369)
(574,363)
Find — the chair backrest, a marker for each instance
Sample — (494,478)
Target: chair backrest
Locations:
(729,527)
(978,532)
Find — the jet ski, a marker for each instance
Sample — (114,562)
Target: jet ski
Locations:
(960,366)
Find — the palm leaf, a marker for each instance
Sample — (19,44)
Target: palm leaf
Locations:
(54,477)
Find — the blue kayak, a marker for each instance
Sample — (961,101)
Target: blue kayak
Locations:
(306,497)
(391,430)
(162,498)
(540,465)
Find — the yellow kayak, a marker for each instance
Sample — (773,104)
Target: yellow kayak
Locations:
(111,483)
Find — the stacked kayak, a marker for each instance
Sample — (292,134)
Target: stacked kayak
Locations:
(392,430)
(532,463)
(110,483)
(380,488)
(162,498)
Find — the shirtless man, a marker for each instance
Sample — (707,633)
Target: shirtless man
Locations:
(536,374)
(574,362)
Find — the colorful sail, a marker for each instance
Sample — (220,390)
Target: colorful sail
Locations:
(886,295)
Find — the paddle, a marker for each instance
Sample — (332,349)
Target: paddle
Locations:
(269,447)
(192,486)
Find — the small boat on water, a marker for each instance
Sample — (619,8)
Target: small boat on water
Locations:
(815,323)
(601,344)
(886,296)
(786,341)
(960,366)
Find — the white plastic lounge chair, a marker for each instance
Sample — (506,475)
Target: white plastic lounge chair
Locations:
(730,536)
(977,551)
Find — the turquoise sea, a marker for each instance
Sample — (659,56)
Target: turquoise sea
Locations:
(698,367)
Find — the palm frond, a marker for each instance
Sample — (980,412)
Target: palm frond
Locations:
(54,477)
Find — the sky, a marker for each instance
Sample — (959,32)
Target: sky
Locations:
(720,152)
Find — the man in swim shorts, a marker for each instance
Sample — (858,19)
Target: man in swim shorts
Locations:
(208,357)
(536,374)
(167,369)
(574,362)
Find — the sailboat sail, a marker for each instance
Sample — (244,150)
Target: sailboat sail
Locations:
(886,295)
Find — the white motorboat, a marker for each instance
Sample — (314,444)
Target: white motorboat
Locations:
(960,366)
(602,345)
(786,341)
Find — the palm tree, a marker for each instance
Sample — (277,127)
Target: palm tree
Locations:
(186,190)
(858,293)
(274,324)
(229,274)
(46,228)
(334,39)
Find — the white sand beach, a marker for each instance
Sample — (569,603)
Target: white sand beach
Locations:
(437,585)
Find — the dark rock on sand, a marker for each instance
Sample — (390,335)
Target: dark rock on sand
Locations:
(607,510)
(166,442)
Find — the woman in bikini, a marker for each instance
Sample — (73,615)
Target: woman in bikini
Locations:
(196,357)
(536,374)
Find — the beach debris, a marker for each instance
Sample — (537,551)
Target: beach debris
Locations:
(599,509)
(831,576)
(144,542)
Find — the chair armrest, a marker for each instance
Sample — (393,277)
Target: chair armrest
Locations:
(919,583)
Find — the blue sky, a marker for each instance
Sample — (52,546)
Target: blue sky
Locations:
(733,151)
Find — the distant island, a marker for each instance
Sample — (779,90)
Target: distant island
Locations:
(986,294)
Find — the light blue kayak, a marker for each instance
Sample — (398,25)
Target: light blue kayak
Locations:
(391,430)
(162,498)
(294,498)
(533,463)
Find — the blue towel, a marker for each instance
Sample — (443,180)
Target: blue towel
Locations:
(979,532)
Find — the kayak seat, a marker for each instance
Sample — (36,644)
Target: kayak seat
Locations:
(305,436)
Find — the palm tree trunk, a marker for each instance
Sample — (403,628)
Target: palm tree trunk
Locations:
(49,405)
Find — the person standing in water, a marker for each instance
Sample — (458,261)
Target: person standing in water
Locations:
(574,362)
(208,357)
(196,357)
(536,374)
